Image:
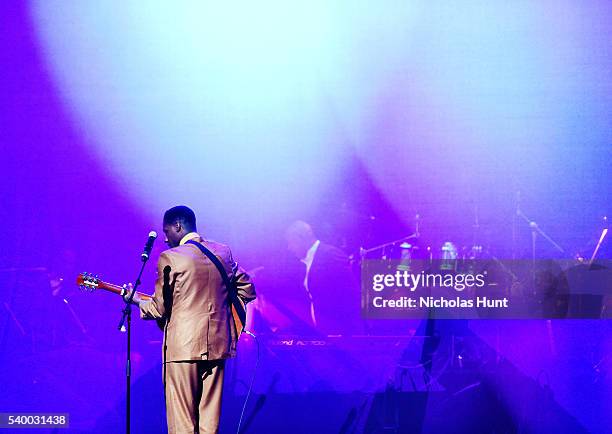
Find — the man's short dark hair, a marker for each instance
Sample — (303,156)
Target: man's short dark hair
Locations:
(181,214)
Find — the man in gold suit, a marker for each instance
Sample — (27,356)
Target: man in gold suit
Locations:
(193,304)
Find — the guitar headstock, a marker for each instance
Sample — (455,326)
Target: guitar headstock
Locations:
(88,281)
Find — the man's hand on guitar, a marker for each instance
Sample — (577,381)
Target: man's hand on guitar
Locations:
(128,289)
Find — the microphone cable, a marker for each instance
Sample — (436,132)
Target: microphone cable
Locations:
(246,400)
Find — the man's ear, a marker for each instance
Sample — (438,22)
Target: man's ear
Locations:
(178,227)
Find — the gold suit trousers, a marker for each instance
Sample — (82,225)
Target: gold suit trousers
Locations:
(193,396)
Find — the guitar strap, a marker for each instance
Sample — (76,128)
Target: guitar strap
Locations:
(231,288)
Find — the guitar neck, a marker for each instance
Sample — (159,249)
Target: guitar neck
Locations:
(90,282)
(119,290)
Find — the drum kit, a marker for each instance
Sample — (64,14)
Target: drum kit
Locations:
(543,285)
(448,256)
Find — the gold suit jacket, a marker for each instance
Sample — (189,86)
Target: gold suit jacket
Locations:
(193,303)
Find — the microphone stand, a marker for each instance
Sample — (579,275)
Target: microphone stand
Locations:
(604,232)
(126,319)
(363,252)
(535,230)
(415,236)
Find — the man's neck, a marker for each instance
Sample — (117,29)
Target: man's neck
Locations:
(188,236)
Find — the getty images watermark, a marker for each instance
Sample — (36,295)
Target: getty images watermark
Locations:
(485,288)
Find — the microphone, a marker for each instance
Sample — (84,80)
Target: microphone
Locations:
(149,246)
